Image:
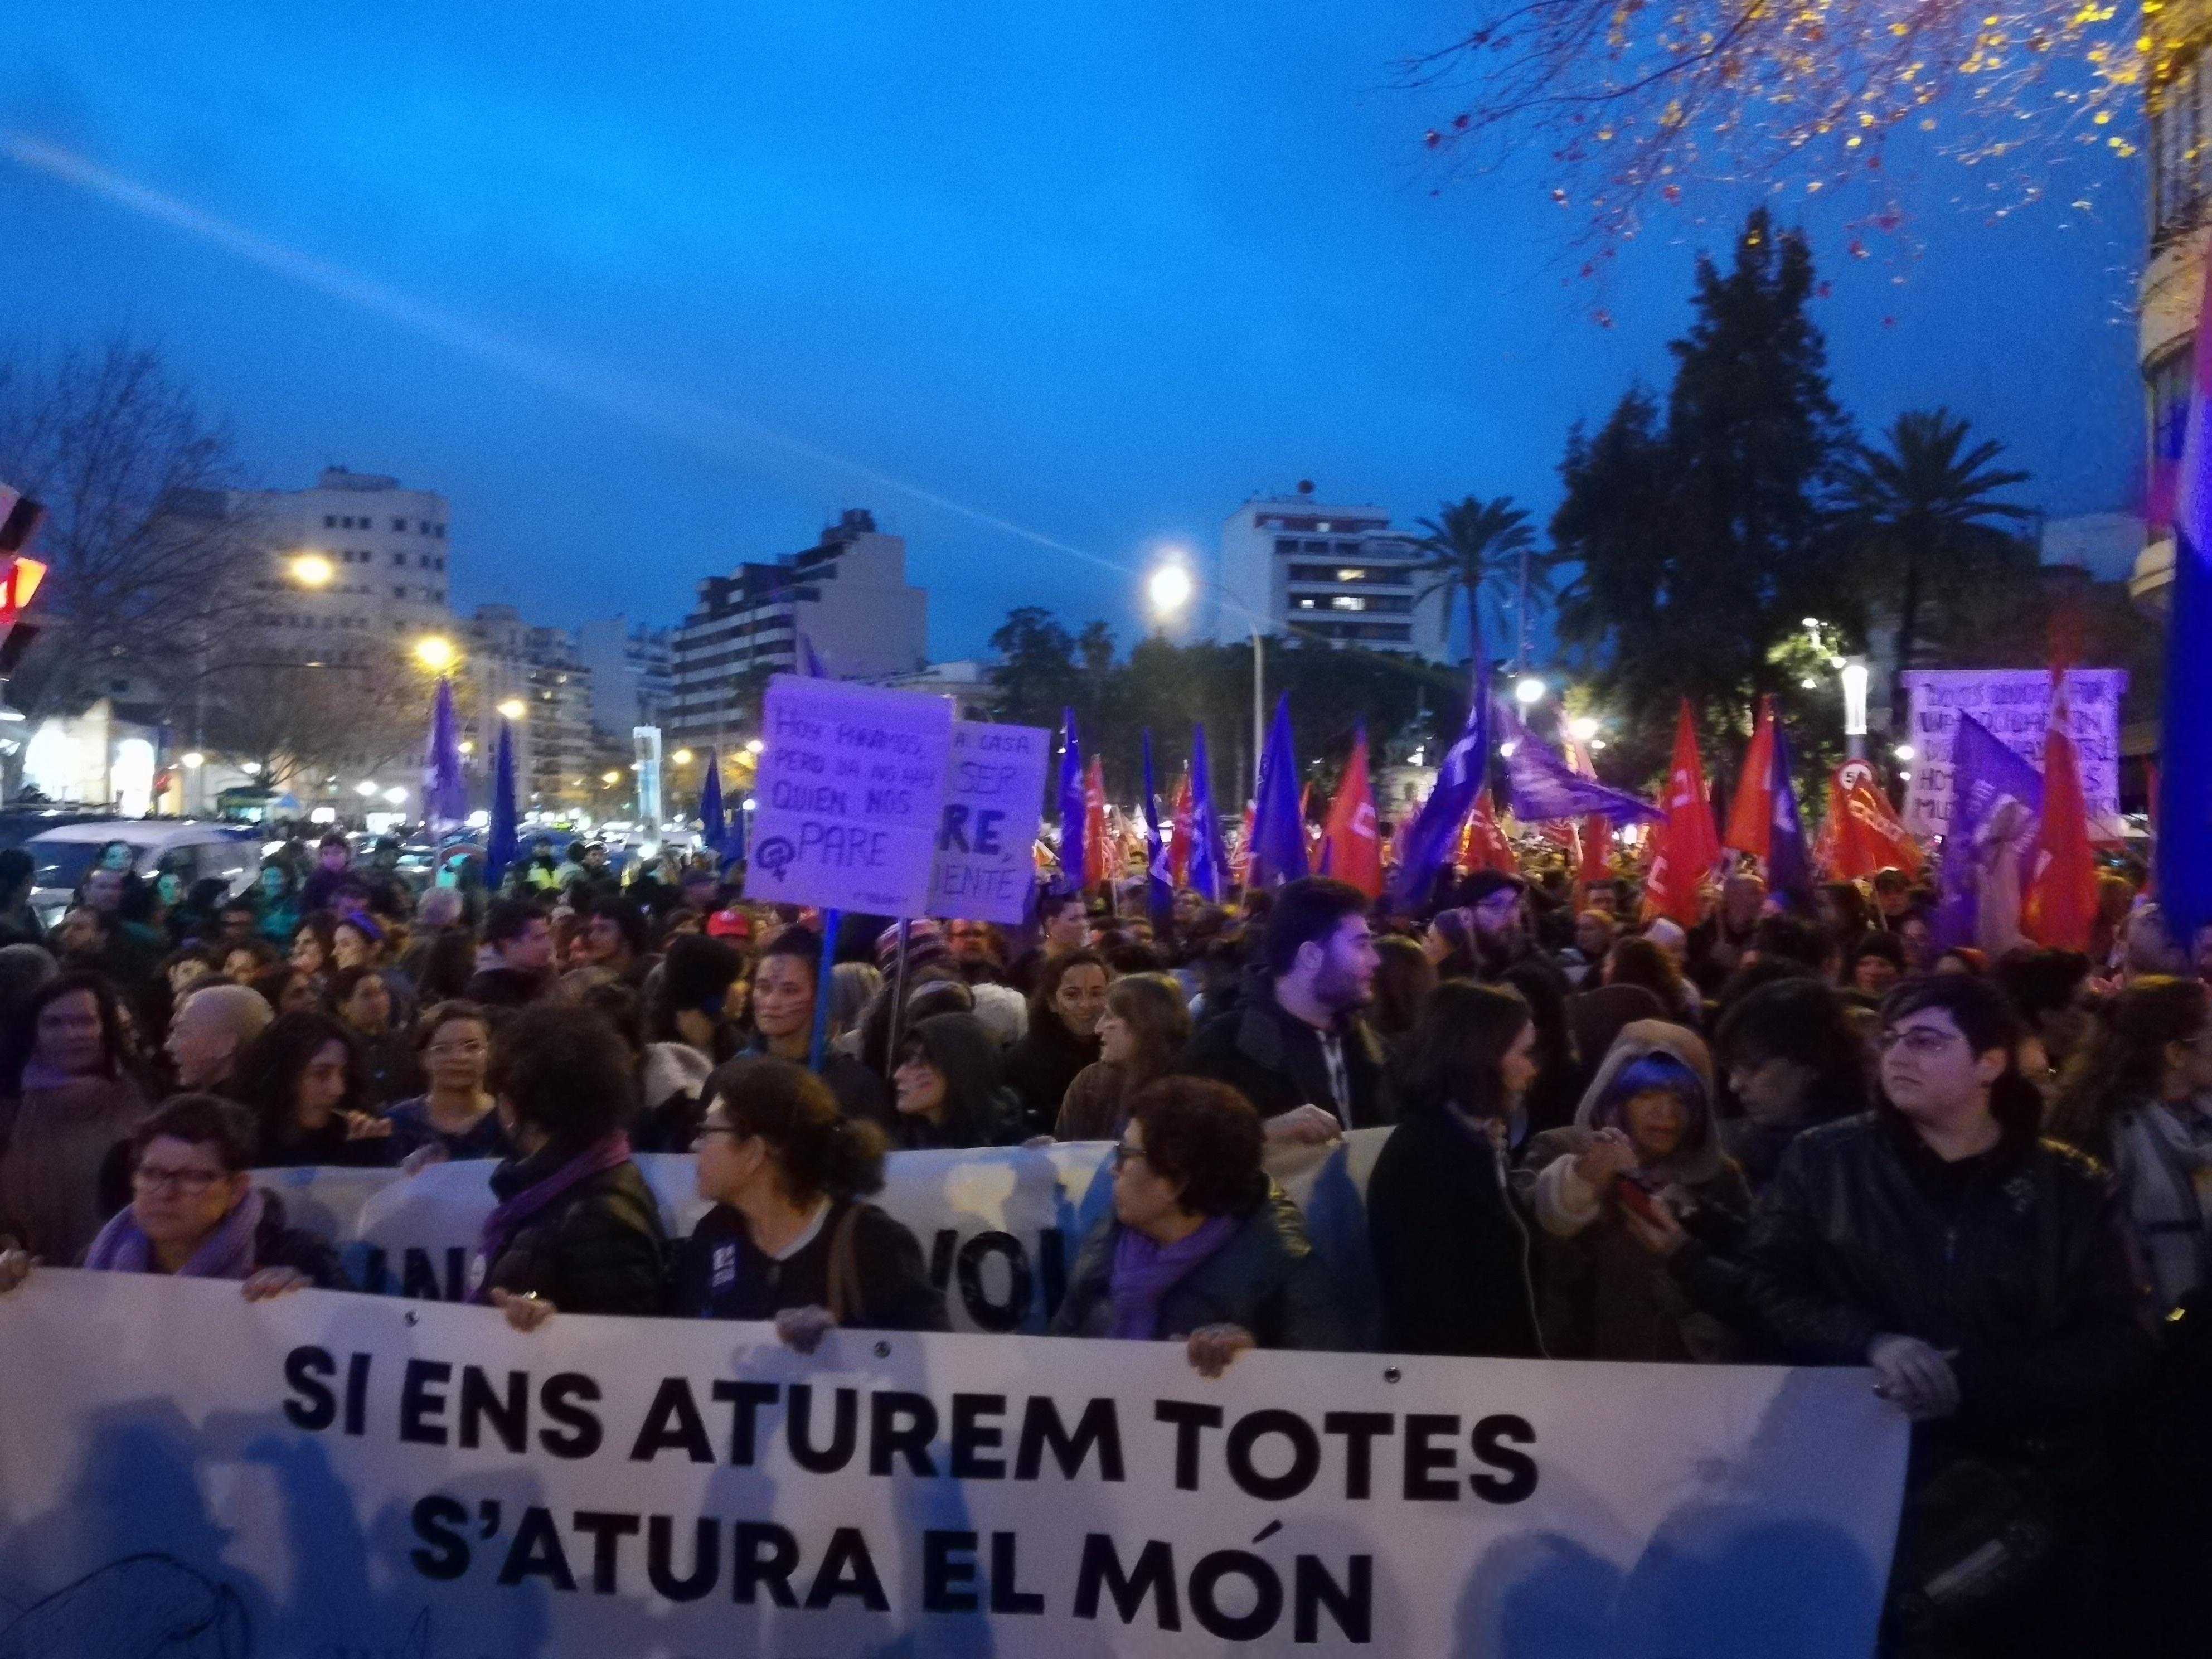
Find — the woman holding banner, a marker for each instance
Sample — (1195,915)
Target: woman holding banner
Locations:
(195,1212)
(791,1237)
(1201,1247)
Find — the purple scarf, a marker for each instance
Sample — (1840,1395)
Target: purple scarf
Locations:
(502,1224)
(1145,1270)
(226,1252)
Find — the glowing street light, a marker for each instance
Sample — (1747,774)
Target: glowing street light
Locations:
(192,757)
(312,570)
(753,745)
(609,778)
(468,746)
(396,795)
(1528,689)
(436,652)
(513,708)
(364,789)
(1905,751)
(682,757)
(1169,588)
(1581,728)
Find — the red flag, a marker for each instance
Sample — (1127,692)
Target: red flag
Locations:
(1179,831)
(1240,861)
(1864,833)
(2061,899)
(1482,844)
(1751,815)
(1351,847)
(1595,847)
(1686,847)
(1097,867)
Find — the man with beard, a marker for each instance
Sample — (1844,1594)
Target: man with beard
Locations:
(1294,1045)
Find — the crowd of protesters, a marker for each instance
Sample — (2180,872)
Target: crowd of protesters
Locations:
(1793,1134)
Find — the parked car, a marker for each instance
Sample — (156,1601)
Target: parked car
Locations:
(18,824)
(192,850)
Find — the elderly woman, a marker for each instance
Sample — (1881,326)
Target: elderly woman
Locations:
(76,1101)
(1201,1247)
(576,1226)
(195,1213)
(1644,1137)
(1145,1027)
(790,1236)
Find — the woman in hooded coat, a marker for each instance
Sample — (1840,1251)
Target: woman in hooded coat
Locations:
(1643,1134)
(949,1093)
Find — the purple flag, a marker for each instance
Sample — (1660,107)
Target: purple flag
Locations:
(1541,784)
(1996,798)
(1435,828)
(445,796)
(1279,832)
(1788,868)
(712,829)
(1071,808)
(502,840)
(1208,869)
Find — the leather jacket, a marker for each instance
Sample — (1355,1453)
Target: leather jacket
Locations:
(2017,1265)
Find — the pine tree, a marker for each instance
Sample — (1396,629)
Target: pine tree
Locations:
(1699,544)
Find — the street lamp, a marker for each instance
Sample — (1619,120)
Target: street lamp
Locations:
(513,708)
(1528,691)
(1581,728)
(364,789)
(753,745)
(1854,673)
(312,570)
(396,795)
(1170,587)
(436,652)
(682,757)
(610,778)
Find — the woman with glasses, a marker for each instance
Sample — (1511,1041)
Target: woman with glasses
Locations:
(454,1119)
(790,1236)
(195,1213)
(1201,1247)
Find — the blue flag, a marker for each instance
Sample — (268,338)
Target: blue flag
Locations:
(712,829)
(1996,798)
(1208,870)
(503,840)
(1541,784)
(1159,885)
(1429,839)
(2183,857)
(1071,806)
(1278,833)
(1788,866)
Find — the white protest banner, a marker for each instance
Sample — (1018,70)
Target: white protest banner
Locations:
(999,1226)
(849,795)
(993,798)
(2014,703)
(189,1473)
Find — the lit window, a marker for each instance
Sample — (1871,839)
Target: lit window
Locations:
(1306,605)
(1352,575)
(1347,602)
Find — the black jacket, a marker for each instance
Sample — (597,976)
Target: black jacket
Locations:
(1040,1067)
(1274,1059)
(275,1245)
(1265,1279)
(504,988)
(720,1275)
(596,1248)
(1452,1254)
(2018,1264)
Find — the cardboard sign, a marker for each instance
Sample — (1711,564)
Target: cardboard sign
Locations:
(993,799)
(850,793)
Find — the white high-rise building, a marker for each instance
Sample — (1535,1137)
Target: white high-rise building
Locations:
(847,596)
(1318,571)
(354,562)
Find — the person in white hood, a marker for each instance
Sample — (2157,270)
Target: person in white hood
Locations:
(1643,1135)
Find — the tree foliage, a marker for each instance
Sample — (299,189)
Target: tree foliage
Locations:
(1696,539)
(1476,548)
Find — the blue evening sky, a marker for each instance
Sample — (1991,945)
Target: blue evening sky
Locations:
(1095,270)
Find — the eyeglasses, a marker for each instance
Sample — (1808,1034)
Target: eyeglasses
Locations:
(1125,1154)
(707,1129)
(1917,1040)
(186,1183)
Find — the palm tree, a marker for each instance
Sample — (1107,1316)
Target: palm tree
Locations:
(1475,545)
(1922,510)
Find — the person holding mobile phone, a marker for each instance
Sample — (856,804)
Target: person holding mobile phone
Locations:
(1643,1140)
